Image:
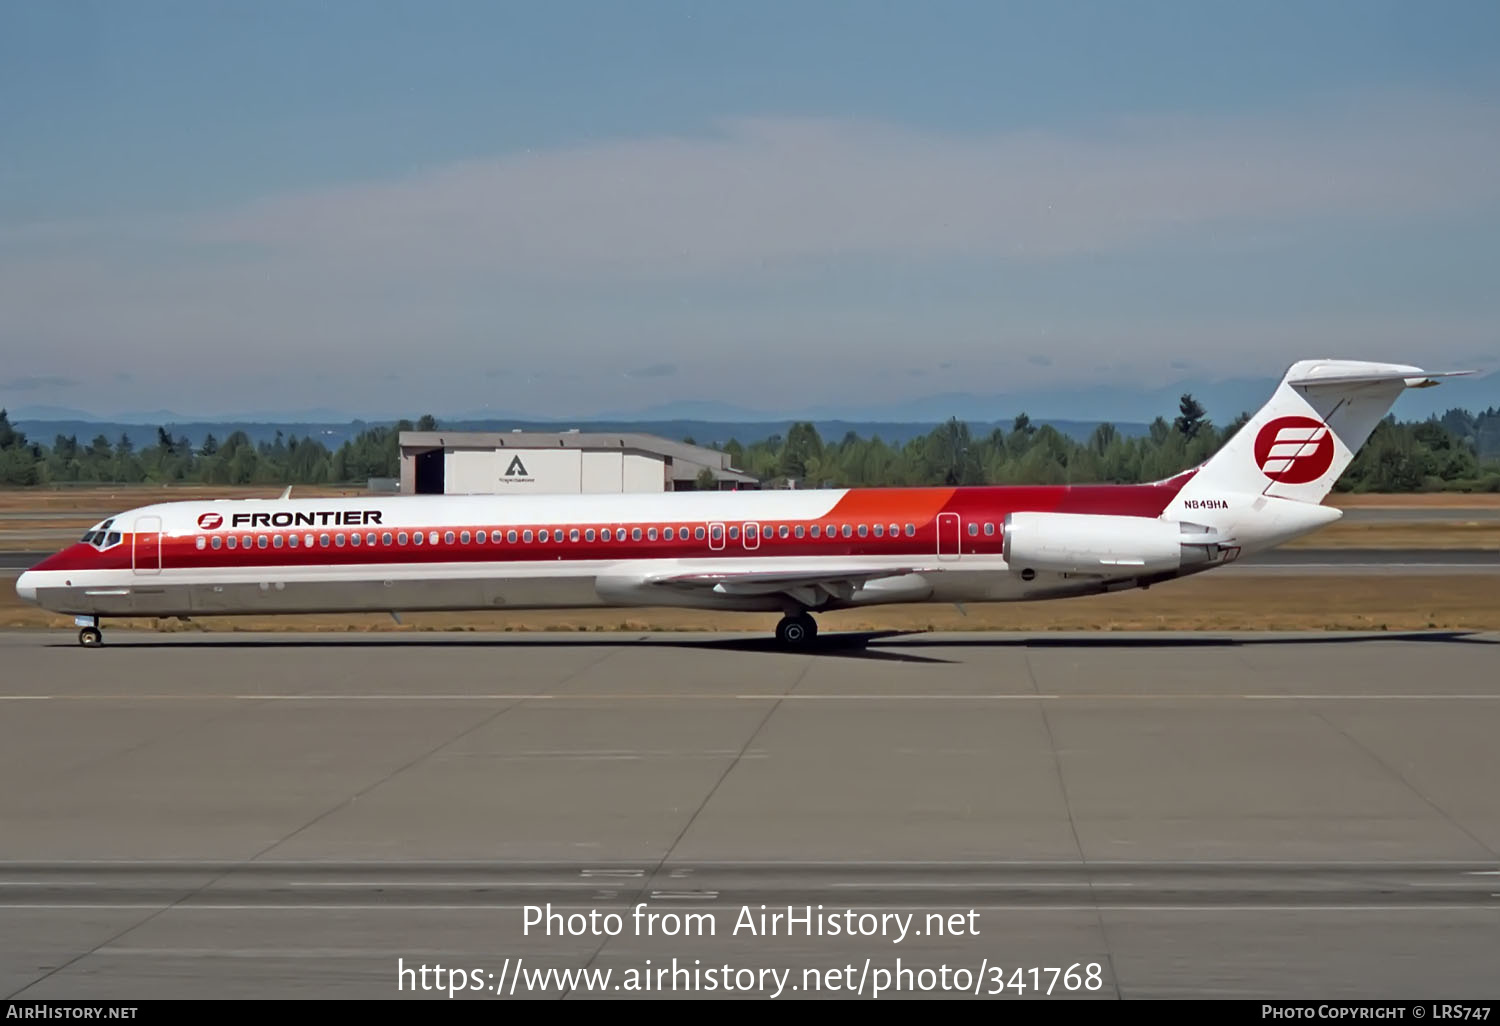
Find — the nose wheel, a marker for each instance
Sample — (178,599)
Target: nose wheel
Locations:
(90,637)
(797,631)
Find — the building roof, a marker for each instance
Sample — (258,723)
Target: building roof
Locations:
(686,460)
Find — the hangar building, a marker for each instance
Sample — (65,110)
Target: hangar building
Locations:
(527,462)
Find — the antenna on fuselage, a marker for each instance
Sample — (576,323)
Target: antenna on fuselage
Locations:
(288,493)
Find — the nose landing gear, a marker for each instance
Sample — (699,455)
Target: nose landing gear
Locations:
(797,630)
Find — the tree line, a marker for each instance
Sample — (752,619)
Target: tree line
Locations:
(1438,454)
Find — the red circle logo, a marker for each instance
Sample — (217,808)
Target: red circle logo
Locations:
(209,521)
(1294,450)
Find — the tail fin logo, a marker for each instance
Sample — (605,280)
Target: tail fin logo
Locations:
(1294,450)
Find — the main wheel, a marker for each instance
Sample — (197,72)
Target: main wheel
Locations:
(797,631)
(90,637)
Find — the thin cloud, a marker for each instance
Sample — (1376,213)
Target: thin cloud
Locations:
(36,383)
(655,370)
(775,190)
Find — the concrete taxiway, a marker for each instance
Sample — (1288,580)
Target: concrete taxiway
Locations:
(1260,815)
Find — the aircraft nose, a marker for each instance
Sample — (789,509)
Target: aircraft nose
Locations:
(26,586)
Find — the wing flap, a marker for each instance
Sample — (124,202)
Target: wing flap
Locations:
(834,580)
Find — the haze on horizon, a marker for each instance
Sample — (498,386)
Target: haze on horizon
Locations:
(581,208)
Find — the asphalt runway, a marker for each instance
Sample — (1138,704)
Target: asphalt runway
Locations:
(1307,816)
(1277,560)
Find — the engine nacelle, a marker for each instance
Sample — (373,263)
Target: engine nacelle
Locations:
(1085,543)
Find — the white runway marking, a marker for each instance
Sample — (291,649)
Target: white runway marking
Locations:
(778,697)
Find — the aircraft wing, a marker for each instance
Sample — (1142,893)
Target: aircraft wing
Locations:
(807,586)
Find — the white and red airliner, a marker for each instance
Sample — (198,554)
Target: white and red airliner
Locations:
(797,552)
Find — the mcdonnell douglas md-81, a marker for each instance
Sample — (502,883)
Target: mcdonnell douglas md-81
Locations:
(796,552)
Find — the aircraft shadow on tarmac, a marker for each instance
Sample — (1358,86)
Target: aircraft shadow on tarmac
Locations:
(851,644)
(898,645)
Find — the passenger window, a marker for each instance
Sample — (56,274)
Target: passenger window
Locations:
(401,538)
(417,537)
(848,530)
(815,530)
(651,534)
(800,531)
(526,536)
(605,534)
(464,537)
(447,538)
(911,530)
(880,530)
(682,532)
(973,529)
(698,533)
(573,534)
(278,541)
(261,541)
(510,536)
(293,539)
(218,542)
(864,530)
(717,531)
(338,539)
(385,539)
(307,540)
(668,533)
(832,530)
(635,534)
(543,535)
(750,532)
(734,532)
(232,542)
(354,539)
(323,541)
(895,530)
(201,541)
(989,528)
(432,536)
(782,531)
(588,534)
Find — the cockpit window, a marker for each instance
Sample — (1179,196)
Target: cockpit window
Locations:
(100,536)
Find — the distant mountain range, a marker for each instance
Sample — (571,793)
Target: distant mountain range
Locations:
(1075,412)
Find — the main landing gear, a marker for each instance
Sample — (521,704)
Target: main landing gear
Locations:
(89,636)
(797,630)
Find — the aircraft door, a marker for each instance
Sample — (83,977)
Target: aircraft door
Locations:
(948,538)
(750,535)
(145,545)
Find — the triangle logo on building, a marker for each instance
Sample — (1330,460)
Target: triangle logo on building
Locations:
(516,468)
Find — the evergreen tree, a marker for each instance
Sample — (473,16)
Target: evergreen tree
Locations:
(1190,416)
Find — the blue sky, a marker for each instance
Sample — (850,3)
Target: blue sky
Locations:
(572,208)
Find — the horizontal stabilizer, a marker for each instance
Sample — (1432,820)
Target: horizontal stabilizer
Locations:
(1340,374)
